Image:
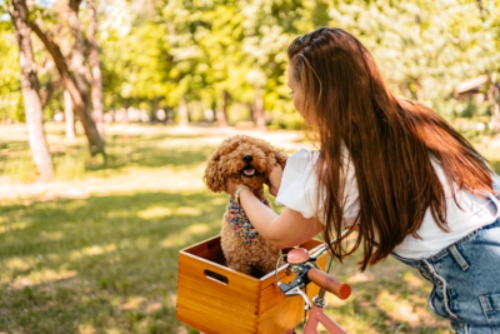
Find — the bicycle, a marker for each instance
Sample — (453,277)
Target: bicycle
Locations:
(304,265)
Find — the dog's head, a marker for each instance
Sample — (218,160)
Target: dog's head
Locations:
(243,159)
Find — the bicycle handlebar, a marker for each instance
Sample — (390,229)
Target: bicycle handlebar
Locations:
(327,282)
(304,261)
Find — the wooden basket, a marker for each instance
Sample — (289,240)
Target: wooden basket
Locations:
(215,299)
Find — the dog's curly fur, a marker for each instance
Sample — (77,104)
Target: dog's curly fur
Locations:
(233,156)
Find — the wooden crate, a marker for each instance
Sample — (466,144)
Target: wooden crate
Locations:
(215,299)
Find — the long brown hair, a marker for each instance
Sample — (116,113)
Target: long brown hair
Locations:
(389,141)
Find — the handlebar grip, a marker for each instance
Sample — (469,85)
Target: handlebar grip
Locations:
(329,283)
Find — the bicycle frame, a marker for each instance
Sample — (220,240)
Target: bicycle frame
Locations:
(316,312)
(317,316)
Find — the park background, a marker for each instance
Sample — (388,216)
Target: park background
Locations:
(110,109)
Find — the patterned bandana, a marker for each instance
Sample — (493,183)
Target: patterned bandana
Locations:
(241,224)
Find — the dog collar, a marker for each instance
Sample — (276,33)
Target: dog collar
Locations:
(240,222)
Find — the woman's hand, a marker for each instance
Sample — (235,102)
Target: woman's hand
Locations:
(274,181)
(231,187)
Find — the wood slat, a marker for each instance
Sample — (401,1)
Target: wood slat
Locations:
(212,306)
(194,274)
(232,301)
(283,316)
(209,250)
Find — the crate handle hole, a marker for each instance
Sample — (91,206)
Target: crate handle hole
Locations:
(216,277)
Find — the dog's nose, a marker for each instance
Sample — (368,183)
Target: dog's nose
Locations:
(247,158)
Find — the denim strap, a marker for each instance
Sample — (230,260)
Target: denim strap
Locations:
(441,279)
(458,257)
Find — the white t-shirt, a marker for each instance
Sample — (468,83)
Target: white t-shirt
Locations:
(298,192)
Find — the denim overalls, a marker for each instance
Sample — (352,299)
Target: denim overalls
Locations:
(466,278)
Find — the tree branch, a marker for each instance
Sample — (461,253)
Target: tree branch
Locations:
(59,60)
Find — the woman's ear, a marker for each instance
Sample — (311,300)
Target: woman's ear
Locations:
(213,174)
(281,158)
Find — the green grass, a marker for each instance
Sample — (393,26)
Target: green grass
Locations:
(105,261)
(96,250)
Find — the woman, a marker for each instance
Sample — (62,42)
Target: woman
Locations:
(392,169)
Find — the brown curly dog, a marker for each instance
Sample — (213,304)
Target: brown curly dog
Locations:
(247,160)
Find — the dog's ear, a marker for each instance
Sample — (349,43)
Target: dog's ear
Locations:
(281,158)
(213,174)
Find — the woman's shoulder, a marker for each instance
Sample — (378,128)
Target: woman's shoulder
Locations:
(304,156)
(302,161)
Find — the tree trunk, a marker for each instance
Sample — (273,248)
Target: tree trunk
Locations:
(418,91)
(31,91)
(495,116)
(46,95)
(480,6)
(183,112)
(154,111)
(222,113)
(97,103)
(79,95)
(259,110)
(69,116)
(78,51)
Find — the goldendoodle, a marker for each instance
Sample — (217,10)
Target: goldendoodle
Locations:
(249,161)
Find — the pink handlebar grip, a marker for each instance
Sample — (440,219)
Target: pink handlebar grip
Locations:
(327,282)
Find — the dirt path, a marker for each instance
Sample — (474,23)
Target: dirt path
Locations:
(155,179)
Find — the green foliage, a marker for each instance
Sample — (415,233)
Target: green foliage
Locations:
(424,48)
(11,102)
(155,53)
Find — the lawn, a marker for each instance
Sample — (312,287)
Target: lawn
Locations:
(96,250)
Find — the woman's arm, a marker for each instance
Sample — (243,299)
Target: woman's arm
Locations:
(285,230)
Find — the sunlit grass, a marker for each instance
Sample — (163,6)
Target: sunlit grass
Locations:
(11,226)
(93,250)
(96,251)
(82,257)
(42,276)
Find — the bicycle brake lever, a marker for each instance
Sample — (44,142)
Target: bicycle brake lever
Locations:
(301,280)
(295,287)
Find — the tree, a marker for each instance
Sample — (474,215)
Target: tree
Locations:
(489,45)
(97,99)
(269,28)
(18,12)
(230,56)
(219,34)
(424,48)
(74,80)
(186,76)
